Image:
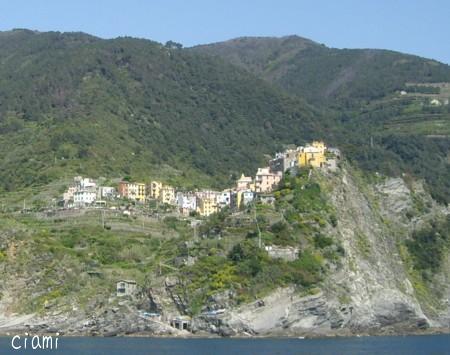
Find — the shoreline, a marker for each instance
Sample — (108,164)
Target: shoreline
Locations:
(344,333)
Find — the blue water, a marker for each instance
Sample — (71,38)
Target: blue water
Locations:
(429,344)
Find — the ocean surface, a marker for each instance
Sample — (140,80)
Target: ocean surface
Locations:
(426,344)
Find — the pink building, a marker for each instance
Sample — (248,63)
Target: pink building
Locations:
(266,180)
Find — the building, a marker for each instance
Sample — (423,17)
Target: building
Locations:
(244,183)
(244,197)
(155,189)
(181,323)
(69,194)
(123,189)
(224,199)
(167,195)
(312,155)
(106,192)
(84,183)
(266,180)
(207,203)
(284,161)
(82,194)
(126,288)
(132,191)
(85,197)
(137,192)
(186,202)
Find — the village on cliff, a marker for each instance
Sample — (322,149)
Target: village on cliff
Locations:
(86,192)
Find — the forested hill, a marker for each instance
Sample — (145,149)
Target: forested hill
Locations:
(74,103)
(322,74)
(71,103)
(391,110)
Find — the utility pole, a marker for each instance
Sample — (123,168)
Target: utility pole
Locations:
(259,231)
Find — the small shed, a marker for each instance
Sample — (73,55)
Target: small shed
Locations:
(181,322)
(126,288)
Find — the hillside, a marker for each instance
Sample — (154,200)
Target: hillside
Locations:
(73,103)
(371,257)
(321,74)
(377,127)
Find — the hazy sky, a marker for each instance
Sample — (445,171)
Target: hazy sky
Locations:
(413,26)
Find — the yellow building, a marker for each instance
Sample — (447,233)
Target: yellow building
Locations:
(312,155)
(207,203)
(135,191)
(155,189)
(319,145)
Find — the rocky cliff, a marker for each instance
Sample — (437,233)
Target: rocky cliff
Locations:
(374,287)
(371,290)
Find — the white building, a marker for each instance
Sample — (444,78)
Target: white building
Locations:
(85,183)
(186,202)
(247,196)
(84,198)
(224,199)
(106,192)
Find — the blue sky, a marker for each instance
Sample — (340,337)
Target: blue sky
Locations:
(415,26)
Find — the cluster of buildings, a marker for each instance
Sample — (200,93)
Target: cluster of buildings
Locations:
(141,192)
(316,155)
(266,179)
(85,192)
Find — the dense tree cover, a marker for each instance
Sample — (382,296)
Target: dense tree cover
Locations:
(316,72)
(71,103)
(372,124)
(428,246)
(75,104)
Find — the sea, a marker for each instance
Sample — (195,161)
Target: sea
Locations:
(382,345)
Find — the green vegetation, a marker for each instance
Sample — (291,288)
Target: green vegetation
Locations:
(249,273)
(428,247)
(230,260)
(76,104)
(321,74)
(77,260)
(374,126)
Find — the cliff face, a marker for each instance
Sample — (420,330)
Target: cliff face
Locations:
(371,290)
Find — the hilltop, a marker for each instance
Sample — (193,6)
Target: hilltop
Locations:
(71,103)
(320,73)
